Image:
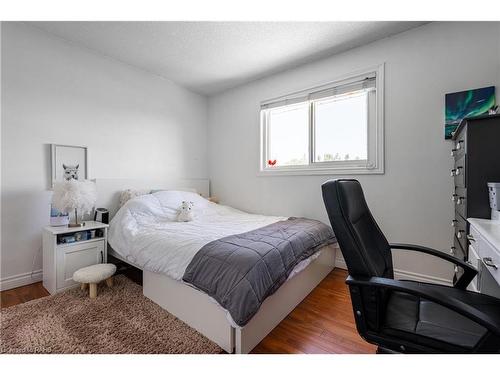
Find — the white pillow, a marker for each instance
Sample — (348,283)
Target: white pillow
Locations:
(128,194)
(172,199)
(192,190)
(163,205)
(149,207)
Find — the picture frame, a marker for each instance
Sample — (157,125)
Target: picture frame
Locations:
(58,218)
(68,162)
(468,103)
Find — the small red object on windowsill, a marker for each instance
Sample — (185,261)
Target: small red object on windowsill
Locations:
(271,162)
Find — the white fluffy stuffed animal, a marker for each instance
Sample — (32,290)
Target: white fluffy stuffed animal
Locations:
(186,211)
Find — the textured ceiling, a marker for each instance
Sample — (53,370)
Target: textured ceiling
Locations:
(209,57)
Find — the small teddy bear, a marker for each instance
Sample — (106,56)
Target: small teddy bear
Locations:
(185,212)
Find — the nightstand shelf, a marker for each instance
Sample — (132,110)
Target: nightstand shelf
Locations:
(61,260)
(61,245)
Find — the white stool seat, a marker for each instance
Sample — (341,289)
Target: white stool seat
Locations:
(94,274)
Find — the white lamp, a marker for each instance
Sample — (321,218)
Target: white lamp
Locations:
(75,195)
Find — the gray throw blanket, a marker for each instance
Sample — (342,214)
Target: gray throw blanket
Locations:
(242,270)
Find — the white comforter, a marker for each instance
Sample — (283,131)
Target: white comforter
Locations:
(145,233)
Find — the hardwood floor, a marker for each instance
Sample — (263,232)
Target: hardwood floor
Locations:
(22,294)
(322,323)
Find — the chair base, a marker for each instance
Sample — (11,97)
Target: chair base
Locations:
(382,350)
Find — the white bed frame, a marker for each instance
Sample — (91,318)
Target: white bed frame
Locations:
(198,310)
(202,313)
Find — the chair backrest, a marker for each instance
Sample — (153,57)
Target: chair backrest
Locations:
(363,245)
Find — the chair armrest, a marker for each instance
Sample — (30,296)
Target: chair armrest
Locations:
(469,271)
(444,296)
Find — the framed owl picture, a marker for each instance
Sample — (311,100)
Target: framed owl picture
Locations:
(68,162)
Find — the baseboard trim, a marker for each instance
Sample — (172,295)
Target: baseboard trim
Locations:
(28,278)
(414,276)
(22,279)
(402,274)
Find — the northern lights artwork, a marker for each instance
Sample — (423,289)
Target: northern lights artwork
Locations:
(470,103)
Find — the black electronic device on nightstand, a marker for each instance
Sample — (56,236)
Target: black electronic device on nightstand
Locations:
(101,215)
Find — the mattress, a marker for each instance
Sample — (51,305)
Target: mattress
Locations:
(144,231)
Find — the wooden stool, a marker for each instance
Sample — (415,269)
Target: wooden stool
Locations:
(93,275)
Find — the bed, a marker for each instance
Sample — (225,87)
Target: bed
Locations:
(175,256)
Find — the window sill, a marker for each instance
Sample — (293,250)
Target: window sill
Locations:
(316,171)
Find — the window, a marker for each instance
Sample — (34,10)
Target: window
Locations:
(331,129)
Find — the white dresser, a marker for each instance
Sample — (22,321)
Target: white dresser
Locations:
(61,260)
(484,254)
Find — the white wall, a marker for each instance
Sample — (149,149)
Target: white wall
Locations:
(135,124)
(138,125)
(411,201)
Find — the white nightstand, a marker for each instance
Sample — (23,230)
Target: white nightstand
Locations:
(61,260)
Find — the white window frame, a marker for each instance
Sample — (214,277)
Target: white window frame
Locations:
(375,136)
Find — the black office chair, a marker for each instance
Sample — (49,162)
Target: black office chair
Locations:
(405,316)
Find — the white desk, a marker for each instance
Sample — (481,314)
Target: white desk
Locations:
(484,253)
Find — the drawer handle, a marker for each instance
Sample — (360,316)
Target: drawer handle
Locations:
(454,197)
(471,238)
(454,223)
(489,262)
(453,151)
(459,145)
(460,200)
(452,250)
(457,172)
(452,173)
(459,234)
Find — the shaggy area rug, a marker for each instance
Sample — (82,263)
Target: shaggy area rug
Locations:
(119,320)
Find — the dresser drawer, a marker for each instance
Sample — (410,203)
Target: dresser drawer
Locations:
(461,201)
(459,172)
(474,261)
(490,259)
(459,144)
(457,250)
(461,231)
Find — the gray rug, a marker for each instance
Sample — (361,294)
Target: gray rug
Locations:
(119,320)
